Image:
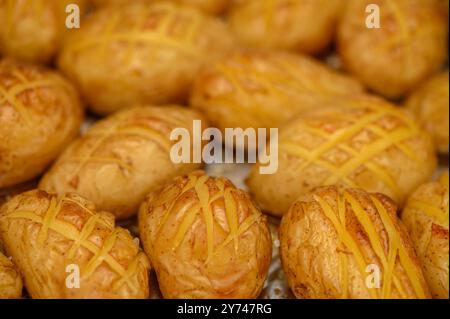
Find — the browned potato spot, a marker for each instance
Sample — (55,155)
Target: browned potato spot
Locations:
(141,54)
(10,280)
(264,89)
(122,158)
(49,235)
(426,218)
(369,144)
(411,43)
(302,25)
(33,30)
(205,239)
(348,244)
(430,105)
(40,113)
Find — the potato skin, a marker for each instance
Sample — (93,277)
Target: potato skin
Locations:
(45,233)
(10,280)
(426,218)
(33,30)
(300,25)
(430,105)
(209,6)
(341,233)
(40,112)
(122,158)
(369,144)
(265,89)
(223,252)
(411,44)
(155,51)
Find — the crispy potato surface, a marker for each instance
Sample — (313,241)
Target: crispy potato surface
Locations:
(369,144)
(40,113)
(426,218)
(65,248)
(205,239)
(348,244)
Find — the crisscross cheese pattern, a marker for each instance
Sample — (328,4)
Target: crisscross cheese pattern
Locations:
(364,157)
(200,185)
(388,257)
(166,31)
(49,222)
(439,215)
(22,83)
(279,77)
(127,124)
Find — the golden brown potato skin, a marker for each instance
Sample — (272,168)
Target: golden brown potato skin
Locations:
(209,6)
(46,233)
(10,280)
(154,50)
(205,239)
(40,112)
(329,238)
(430,105)
(122,158)
(264,89)
(426,218)
(33,30)
(370,145)
(301,25)
(411,43)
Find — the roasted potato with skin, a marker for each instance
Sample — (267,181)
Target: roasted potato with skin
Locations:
(205,239)
(426,218)
(411,43)
(265,89)
(209,6)
(369,144)
(122,158)
(40,113)
(430,105)
(302,25)
(348,244)
(55,239)
(155,51)
(33,30)
(10,280)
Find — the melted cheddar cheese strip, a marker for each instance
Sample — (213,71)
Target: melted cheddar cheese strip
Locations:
(207,192)
(395,251)
(48,221)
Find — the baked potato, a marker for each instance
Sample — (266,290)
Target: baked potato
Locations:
(426,218)
(369,144)
(33,30)
(410,44)
(430,105)
(40,112)
(209,6)
(348,243)
(205,239)
(65,248)
(264,89)
(10,280)
(301,25)
(154,50)
(122,158)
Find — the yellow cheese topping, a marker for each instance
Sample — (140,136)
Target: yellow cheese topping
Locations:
(364,157)
(49,222)
(396,251)
(206,196)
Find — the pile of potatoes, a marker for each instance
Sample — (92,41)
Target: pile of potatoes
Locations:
(86,116)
